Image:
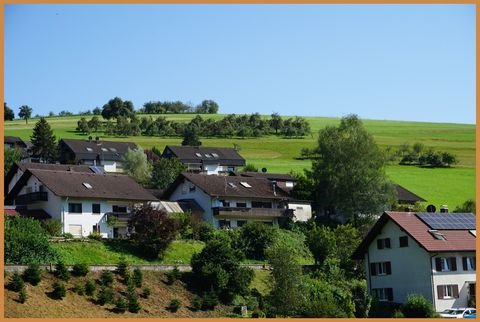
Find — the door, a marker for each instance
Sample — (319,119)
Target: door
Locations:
(75,230)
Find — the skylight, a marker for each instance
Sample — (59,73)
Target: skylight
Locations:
(208,155)
(245,184)
(89,149)
(215,155)
(113,149)
(87,185)
(436,234)
(231,184)
(105,149)
(198,155)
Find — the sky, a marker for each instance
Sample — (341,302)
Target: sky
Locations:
(394,62)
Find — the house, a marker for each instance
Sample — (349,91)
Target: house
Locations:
(231,201)
(207,160)
(405,196)
(432,254)
(106,154)
(14,142)
(284,181)
(83,202)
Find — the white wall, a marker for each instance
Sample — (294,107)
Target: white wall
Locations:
(203,200)
(211,168)
(302,211)
(109,166)
(14,180)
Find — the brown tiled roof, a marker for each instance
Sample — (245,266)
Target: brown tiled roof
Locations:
(104,186)
(114,150)
(195,154)
(36,214)
(230,186)
(406,196)
(455,240)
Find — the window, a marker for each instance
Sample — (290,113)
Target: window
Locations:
(383,243)
(215,155)
(96,208)
(380,268)
(445,264)
(383,294)
(469,263)
(87,185)
(224,223)
(403,241)
(95,228)
(240,223)
(119,208)
(447,291)
(192,188)
(75,208)
(89,149)
(225,203)
(241,205)
(261,204)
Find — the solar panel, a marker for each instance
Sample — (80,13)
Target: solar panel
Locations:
(96,169)
(453,221)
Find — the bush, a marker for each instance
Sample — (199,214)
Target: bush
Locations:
(173,275)
(133,303)
(105,296)
(22,296)
(16,282)
(398,314)
(196,303)
(53,227)
(138,277)
(79,289)
(121,305)
(417,306)
(90,287)
(106,278)
(95,236)
(255,238)
(80,269)
(32,274)
(59,290)
(61,271)
(174,305)
(209,301)
(26,242)
(122,267)
(67,236)
(146,293)
(258,314)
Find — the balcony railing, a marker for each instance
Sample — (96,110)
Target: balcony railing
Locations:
(31,197)
(250,212)
(118,219)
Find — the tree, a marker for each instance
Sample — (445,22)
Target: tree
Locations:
(97,111)
(165,171)
(43,141)
(467,206)
(153,230)
(321,242)
(82,126)
(116,107)
(276,122)
(8,114)
(207,106)
(417,306)
(137,166)
(94,124)
(190,136)
(349,171)
(10,156)
(25,113)
(255,238)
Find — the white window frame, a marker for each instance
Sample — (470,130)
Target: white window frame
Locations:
(448,291)
(471,265)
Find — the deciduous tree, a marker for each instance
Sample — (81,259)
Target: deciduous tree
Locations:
(25,113)
(8,114)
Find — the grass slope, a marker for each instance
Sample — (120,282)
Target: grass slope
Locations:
(277,154)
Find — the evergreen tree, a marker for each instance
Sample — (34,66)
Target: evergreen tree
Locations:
(43,140)
(8,114)
(190,136)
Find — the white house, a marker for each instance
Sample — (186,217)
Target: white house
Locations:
(83,202)
(432,254)
(231,201)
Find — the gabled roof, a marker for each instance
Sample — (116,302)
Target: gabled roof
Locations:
(230,186)
(39,214)
(406,196)
(269,176)
(87,185)
(455,240)
(14,140)
(195,154)
(92,149)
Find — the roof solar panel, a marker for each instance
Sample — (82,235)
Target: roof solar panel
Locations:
(453,221)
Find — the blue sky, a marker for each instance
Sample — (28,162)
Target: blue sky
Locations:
(398,62)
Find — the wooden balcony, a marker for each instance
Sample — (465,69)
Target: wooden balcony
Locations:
(249,212)
(32,197)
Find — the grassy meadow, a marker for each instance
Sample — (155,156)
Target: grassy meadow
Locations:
(450,186)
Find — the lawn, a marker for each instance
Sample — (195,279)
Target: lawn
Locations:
(277,154)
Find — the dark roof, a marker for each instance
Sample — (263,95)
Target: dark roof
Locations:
(92,150)
(103,186)
(15,140)
(230,186)
(269,176)
(406,196)
(36,214)
(195,154)
(455,240)
(51,166)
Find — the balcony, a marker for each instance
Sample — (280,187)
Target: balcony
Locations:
(118,219)
(31,197)
(250,212)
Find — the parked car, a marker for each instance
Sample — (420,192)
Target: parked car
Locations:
(470,316)
(458,313)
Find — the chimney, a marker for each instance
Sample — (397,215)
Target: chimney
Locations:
(90,138)
(444,209)
(97,139)
(274,186)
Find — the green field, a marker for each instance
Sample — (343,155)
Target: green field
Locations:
(438,186)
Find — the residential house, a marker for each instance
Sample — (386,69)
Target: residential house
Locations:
(83,202)
(405,196)
(14,142)
(206,160)
(231,201)
(106,154)
(432,254)
(284,181)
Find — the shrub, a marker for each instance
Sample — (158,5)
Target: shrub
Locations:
(59,290)
(174,305)
(32,274)
(173,275)
(61,271)
(209,301)
(146,292)
(16,282)
(137,277)
(53,227)
(417,306)
(196,303)
(90,287)
(121,305)
(122,267)
(105,296)
(95,236)
(67,236)
(106,278)
(22,296)
(258,314)
(133,303)
(398,314)
(255,238)
(80,269)
(79,289)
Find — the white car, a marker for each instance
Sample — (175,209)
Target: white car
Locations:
(457,313)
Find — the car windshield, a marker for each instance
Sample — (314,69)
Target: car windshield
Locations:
(458,312)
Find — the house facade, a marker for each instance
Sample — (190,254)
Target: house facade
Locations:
(206,160)
(232,201)
(403,254)
(83,202)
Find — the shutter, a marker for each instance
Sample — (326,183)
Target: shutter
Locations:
(387,242)
(438,264)
(389,268)
(440,292)
(75,230)
(379,244)
(453,263)
(373,270)
(455,291)
(464,263)
(390,294)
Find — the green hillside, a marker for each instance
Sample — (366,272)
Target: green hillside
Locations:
(451,186)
